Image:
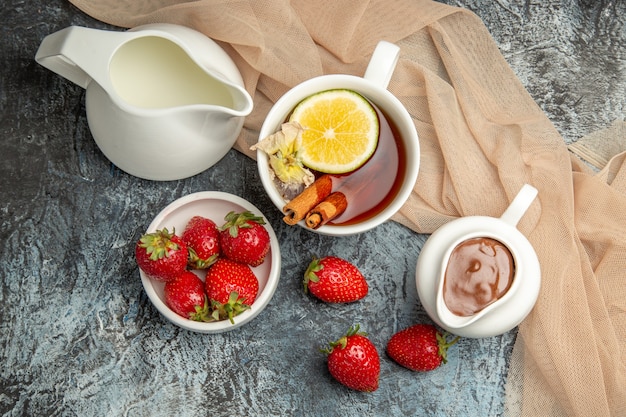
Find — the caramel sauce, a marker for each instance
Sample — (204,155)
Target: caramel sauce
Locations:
(479,272)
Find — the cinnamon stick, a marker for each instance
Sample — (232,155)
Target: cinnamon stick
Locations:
(298,208)
(331,207)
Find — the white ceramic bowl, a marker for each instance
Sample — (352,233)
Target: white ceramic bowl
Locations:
(213,205)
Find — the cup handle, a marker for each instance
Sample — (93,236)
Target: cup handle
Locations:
(513,214)
(382,64)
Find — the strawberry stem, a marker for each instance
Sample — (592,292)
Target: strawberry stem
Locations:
(444,345)
(202,313)
(235,220)
(198,263)
(343,340)
(228,310)
(158,244)
(310,274)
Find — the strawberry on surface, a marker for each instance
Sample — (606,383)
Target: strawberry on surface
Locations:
(244,239)
(186,297)
(231,287)
(420,347)
(335,280)
(161,255)
(202,239)
(353,361)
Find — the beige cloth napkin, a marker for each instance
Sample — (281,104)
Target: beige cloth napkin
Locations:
(482,137)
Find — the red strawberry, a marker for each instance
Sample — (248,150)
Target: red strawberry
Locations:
(353,361)
(419,347)
(186,297)
(232,287)
(335,280)
(202,239)
(244,239)
(161,255)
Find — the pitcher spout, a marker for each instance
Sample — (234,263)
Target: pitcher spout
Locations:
(241,102)
(161,70)
(453,321)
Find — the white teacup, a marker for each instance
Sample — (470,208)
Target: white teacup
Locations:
(373,86)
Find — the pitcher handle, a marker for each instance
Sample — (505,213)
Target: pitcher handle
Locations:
(513,214)
(79,54)
(382,64)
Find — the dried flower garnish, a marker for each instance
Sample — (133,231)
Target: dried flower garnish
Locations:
(283,148)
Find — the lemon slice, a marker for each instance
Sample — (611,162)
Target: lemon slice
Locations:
(340,131)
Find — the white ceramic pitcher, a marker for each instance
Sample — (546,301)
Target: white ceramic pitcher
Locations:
(163,101)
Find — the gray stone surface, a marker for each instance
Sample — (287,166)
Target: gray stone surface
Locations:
(78,335)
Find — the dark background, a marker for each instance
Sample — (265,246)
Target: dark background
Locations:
(78,335)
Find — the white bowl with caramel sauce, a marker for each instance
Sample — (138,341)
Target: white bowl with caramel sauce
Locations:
(479,276)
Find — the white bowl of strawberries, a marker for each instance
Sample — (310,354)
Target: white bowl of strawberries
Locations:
(209,262)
